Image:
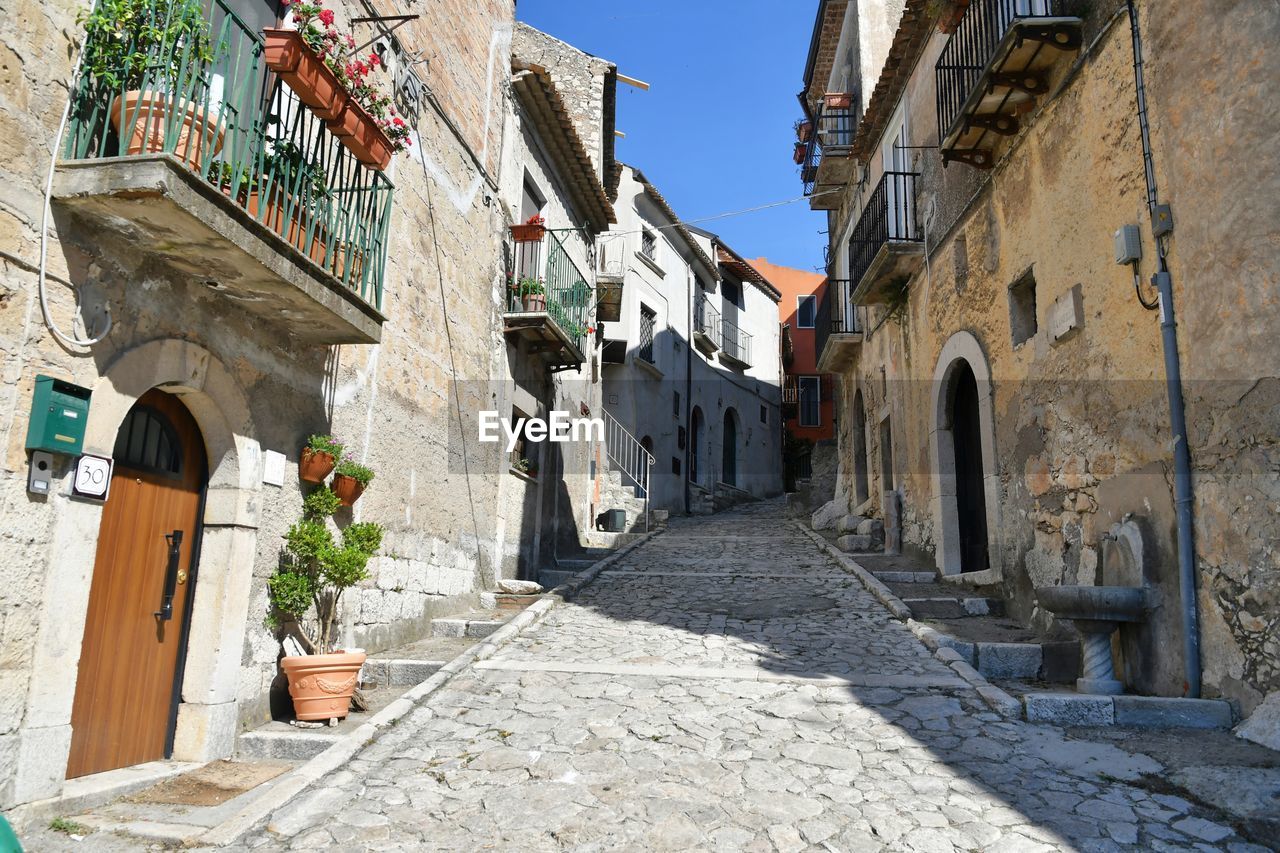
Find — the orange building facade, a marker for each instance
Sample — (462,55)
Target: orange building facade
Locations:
(809,410)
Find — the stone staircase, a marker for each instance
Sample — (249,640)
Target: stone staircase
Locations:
(617,491)
(722,496)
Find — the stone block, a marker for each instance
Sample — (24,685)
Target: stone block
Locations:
(1163,712)
(934,608)
(1069,709)
(976,606)
(41,763)
(872,527)
(850,524)
(905,577)
(1009,660)
(1000,702)
(828,514)
(853,543)
(482,628)
(448,627)
(1263,725)
(299,745)
(205,732)
(1065,316)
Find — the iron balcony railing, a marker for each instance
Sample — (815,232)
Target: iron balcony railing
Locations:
(630,457)
(566,296)
(199,89)
(889,215)
(834,129)
(837,315)
(706,319)
(735,343)
(971,47)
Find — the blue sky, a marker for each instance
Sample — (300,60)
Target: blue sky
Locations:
(714,132)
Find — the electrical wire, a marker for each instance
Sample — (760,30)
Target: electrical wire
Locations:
(725,215)
(42,273)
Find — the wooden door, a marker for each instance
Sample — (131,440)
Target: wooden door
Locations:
(126,690)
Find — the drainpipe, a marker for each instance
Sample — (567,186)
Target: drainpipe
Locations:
(691,281)
(1183,505)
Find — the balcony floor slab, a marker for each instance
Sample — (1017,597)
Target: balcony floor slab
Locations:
(164,209)
(895,260)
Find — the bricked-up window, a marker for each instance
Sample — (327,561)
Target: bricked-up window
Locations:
(810,401)
(649,244)
(1022,308)
(675,403)
(524,456)
(675,465)
(764,414)
(806,311)
(647,319)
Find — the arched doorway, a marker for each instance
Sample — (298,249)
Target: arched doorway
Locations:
(131,658)
(861,487)
(695,467)
(729,451)
(962,444)
(966,437)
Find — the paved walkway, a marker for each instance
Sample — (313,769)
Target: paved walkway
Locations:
(726,687)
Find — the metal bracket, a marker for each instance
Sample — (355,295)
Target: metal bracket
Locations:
(1005,125)
(1061,36)
(979,158)
(1031,82)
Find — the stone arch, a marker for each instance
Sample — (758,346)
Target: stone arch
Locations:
(962,348)
(729,461)
(207,713)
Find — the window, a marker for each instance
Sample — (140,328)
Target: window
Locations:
(649,244)
(810,401)
(731,292)
(647,319)
(532,200)
(681,438)
(1022,308)
(764,414)
(806,311)
(524,456)
(675,404)
(675,465)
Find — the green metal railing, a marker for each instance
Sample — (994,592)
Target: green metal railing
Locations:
(189,79)
(569,297)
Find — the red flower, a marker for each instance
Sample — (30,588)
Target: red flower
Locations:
(326,17)
(374,61)
(398,122)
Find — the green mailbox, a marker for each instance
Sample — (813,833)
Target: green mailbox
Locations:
(59,411)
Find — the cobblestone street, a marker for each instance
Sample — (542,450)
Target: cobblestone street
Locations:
(726,686)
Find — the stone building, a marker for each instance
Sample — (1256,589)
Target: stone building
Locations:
(998,239)
(211,323)
(691,370)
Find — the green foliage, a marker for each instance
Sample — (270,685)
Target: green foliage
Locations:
(363,536)
(69,827)
(292,593)
(132,42)
(896,298)
(293,171)
(326,444)
(348,467)
(321,503)
(530,287)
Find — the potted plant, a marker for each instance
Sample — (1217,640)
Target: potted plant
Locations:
(798,153)
(531,231)
(307,589)
(804,129)
(315,61)
(521,465)
(532,293)
(350,479)
(318,458)
(155,53)
(838,100)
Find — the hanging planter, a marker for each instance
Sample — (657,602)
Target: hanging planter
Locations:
(609,301)
(531,231)
(838,100)
(318,458)
(804,130)
(304,72)
(798,154)
(350,479)
(359,132)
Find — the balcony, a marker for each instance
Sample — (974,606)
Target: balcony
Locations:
(204,160)
(735,345)
(993,68)
(838,328)
(886,246)
(828,162)
(549,306)
(706,326)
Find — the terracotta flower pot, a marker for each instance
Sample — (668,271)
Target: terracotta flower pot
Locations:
(798,154)
(348,489)
(527,233)
(304,72)
(313,467)
(532,302)
(838,100)
(804,130)
(322,685)
(272,215)
(359,132)
(149,113)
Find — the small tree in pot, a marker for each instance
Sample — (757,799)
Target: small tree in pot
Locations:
(315,570)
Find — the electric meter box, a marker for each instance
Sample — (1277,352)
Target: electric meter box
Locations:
(59,411)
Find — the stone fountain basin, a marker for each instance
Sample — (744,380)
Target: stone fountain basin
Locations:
(1095,603)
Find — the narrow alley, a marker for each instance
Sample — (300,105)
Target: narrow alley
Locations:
(727,686)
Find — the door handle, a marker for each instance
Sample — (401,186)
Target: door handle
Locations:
(165,613)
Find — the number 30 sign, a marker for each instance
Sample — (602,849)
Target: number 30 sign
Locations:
(93,477)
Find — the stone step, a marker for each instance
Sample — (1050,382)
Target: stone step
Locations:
(574,565)
(300,745)
(399,673)
(953,608)
(905,577)
(461,627)
(1142,712)
(552,578)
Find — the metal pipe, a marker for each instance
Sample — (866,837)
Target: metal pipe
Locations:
(1183,495)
